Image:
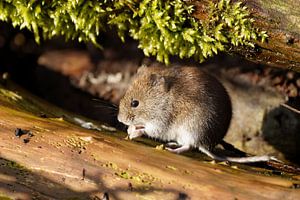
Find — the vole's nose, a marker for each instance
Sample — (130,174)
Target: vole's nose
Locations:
(126,119)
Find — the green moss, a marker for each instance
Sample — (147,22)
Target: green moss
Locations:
(14,165)
(12,96)
(162,27)
(4,197)
(138,178)
(18,168)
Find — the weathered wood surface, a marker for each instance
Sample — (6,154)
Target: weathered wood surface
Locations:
(281,20)
(260,124)
(51,164)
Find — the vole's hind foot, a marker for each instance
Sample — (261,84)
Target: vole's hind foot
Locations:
(273,158)
(172,145)
(179,149)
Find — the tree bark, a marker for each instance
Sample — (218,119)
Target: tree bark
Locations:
(281,20)
(59,160)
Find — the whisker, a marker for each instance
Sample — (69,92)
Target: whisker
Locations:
(101,100)
(106,103)
(105,106)
(110,109)
(111,113)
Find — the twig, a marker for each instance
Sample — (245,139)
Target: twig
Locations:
(284,167)
(290,108)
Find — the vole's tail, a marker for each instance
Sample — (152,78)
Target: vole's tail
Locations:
(250,159)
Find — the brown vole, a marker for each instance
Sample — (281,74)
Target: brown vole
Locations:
(180,104)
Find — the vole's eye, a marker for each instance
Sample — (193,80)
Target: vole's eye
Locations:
(134,103)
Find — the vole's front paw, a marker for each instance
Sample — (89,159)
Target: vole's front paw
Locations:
(135,131)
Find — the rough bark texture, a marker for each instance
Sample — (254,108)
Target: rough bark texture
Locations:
(64,161)
(260,124)
(281,20)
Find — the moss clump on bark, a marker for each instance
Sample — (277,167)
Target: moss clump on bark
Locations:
(162,27)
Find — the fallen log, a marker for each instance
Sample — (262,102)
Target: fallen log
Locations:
(62,160)
(167,29)
(281,20)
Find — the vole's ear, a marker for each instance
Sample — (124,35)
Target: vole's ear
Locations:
(162,82)
(141,69)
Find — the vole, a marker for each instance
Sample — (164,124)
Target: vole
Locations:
(184,105)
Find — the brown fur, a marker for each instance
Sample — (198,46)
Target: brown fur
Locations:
(171,97)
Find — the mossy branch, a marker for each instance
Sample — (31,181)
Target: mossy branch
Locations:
(162,27)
